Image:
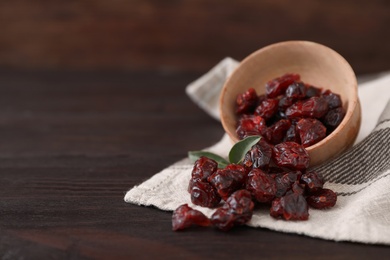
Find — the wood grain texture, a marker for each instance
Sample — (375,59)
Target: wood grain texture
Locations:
(185,35)
(72,143)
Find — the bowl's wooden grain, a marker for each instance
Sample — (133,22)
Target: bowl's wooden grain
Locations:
(318,65)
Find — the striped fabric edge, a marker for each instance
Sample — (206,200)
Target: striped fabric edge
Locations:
(363,165)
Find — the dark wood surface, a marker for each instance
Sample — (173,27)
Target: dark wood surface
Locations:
(72,143)
(185,34)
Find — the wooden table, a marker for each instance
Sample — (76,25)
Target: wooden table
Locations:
(72,143)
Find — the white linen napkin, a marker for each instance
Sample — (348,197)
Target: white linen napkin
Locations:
(360,176)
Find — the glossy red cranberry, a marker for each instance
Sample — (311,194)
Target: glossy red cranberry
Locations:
(291,155)
(251,125)
(296,90)
(277,131)
(285,102)
(313,181)
(292,135)
(261,185)
(322,199)
(290,207)
(315,107)
(298,188)
(333,118)
(312,91)
(310,131)
(203,168)
(184,217)
(267,109)
(279,85)
(284,182)
(204,194)
(333,99)
(259,156)
(237,210)
(246,102)
(228,180)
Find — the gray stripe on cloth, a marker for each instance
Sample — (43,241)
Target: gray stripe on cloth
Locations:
(365,163)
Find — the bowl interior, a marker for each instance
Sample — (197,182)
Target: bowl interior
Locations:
(318,65)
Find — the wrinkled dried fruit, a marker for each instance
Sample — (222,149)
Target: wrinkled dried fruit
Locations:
(315,107)
(333,118)
(313,181)
(203,168)
(296,90)
(228,180)
(261,185)
(310,131)
(333,99)
(290,207)
(184,217)
(259,156)
(312,91)
(284,182)
(246,102)
(279,85)
(204,194)
(251,125)
(237,210)
(322,199)
(277,131)
(267,109)
(291,155)
(285,102)
(292,134)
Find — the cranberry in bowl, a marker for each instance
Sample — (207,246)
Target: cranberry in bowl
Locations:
(296,91)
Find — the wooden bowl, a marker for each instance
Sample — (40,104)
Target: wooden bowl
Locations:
(318,65)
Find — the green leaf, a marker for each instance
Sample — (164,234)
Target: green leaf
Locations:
(239,150)
(195,155)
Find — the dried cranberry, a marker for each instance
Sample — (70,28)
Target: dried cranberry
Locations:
(278,131)
(259,156)
(275,170)
(310,131)
(285,102)
(285,181)
(321,199)
(312,91)
(313,181)
(228,180)
(261,98)
(298,188)
(292,135)
(237,210)
(204,194)
(315,107)
(184,217)
(246,102)
(296,90)
(203,168)
(261,185)
(333,118)
(267,108)
(291,155)
(279,85)
(333,99)
(290,207)
(251,125)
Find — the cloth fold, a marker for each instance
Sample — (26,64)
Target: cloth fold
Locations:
(360,176)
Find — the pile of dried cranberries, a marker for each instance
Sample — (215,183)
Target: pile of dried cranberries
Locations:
(289,111)
(290,117)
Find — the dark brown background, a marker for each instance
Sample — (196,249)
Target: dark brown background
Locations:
(185,35)
(92,102)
